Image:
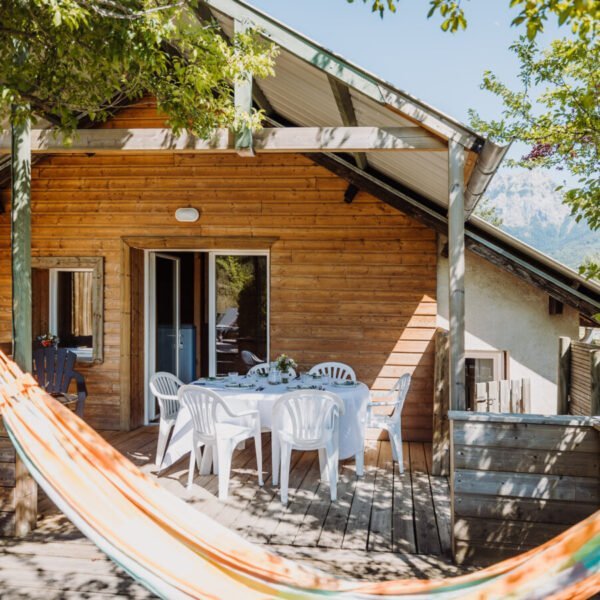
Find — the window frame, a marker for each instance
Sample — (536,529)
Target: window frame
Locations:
(500,358)
(95,264)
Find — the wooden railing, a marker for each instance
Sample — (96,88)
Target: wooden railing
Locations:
(503,396)
(519,480)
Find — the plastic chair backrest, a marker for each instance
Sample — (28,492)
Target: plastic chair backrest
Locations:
(262,369)
(401,388)
(229,318)
(250,359)
(309,414)
(163,385)
(336,370)
(202,405)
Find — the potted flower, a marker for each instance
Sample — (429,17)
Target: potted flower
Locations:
(284,365)
(48,340)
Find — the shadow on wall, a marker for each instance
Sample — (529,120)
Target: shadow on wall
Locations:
(394,339)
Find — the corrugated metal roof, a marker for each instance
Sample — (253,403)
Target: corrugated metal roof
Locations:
(301,92)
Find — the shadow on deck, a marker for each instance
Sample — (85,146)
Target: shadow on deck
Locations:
(384,525)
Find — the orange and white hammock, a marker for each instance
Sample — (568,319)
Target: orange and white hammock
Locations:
(177,552)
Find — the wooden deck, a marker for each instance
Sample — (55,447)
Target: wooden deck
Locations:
(384,525)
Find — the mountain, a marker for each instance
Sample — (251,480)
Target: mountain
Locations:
(532,210)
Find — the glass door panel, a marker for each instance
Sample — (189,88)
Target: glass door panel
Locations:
(239,311)
(166,273)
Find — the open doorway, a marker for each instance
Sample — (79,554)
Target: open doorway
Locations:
(207,313)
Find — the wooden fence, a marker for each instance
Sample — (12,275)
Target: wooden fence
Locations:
(578,378)
(519,480)
(503,396)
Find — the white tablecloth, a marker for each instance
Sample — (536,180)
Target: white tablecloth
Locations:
(352,428)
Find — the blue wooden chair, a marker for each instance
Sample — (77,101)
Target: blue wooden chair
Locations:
(54,370)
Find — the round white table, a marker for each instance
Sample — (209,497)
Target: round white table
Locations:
(351,426)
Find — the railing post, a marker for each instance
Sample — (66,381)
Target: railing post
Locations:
(564,375)
(595,383)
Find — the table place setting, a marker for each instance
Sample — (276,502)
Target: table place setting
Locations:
(260,391)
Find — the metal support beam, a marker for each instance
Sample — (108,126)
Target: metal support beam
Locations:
(243,103)
(456,267)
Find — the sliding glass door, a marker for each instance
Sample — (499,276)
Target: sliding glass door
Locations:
(239,311)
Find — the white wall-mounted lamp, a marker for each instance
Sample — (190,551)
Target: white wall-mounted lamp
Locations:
(187,215)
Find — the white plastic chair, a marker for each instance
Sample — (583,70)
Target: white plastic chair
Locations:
(220,430)
(164,386)
(335,370)
(261,369)
(250,359)
(392,423)
(306,420)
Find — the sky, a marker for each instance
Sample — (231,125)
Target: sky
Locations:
(411,52)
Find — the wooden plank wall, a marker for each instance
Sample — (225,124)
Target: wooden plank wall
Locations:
(584,381)
(519,480)
(355,283)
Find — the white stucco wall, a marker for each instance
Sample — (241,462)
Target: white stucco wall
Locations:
(505,313)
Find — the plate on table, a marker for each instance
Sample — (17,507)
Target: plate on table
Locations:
(243,386)
(208,380)
(345,384)
(303,386)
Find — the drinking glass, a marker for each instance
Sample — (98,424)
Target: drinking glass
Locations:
(232,376)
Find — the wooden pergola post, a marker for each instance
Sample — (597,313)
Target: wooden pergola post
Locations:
(18,497)
(456,265)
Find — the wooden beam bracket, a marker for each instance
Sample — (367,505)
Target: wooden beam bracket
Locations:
(350,193)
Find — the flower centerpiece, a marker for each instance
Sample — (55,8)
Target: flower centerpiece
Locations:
(284,364)
(48,339)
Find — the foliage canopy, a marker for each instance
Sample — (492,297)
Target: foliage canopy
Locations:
(64,58)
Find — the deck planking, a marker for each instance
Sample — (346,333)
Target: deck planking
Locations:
(386,524)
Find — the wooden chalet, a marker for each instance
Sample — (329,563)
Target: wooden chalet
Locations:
(355,202)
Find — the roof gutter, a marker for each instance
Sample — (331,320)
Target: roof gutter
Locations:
(488,161)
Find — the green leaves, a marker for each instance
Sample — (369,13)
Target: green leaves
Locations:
(582,16)
(88,56)
(557,113)
(380,6)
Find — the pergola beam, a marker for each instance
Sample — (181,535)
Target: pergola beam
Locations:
(343,99)
(274,140)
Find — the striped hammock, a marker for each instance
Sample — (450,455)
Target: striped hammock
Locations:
(177,552)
